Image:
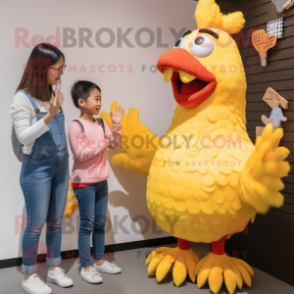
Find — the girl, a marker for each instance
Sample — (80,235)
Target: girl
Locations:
(39,125)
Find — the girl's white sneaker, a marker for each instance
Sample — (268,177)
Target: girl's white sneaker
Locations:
(107,267)
(34,285)
(58,276)
(91,276)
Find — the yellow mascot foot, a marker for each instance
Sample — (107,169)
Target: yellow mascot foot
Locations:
(183,258)
(216,268)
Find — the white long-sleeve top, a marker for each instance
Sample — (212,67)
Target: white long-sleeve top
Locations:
(24,119)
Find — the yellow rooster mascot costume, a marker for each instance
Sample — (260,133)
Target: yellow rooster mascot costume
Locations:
(215,180)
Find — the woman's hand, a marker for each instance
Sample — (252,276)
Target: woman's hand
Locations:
(53,109)
(117,115)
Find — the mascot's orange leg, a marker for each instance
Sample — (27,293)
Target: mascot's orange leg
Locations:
(183,258)
(218,266)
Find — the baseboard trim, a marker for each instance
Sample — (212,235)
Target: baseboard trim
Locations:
(108,248)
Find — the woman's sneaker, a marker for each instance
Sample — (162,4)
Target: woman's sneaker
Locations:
(58,276)
(107,267)
(34,285)
(91,276)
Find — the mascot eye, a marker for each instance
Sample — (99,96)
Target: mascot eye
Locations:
(202,46)
(181,43)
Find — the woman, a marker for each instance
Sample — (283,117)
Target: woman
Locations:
(39,125)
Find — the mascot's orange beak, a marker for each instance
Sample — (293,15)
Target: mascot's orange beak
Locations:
(193,93)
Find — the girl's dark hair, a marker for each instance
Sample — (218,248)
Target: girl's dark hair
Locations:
(82,89)
(34,78)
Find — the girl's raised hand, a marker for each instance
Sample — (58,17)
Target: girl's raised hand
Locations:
(54,107)
(117,115)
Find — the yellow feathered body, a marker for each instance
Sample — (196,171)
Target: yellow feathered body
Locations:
(192,189)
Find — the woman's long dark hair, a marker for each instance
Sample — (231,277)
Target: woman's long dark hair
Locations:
(34,78)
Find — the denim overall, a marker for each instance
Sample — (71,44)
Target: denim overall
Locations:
(44,181)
